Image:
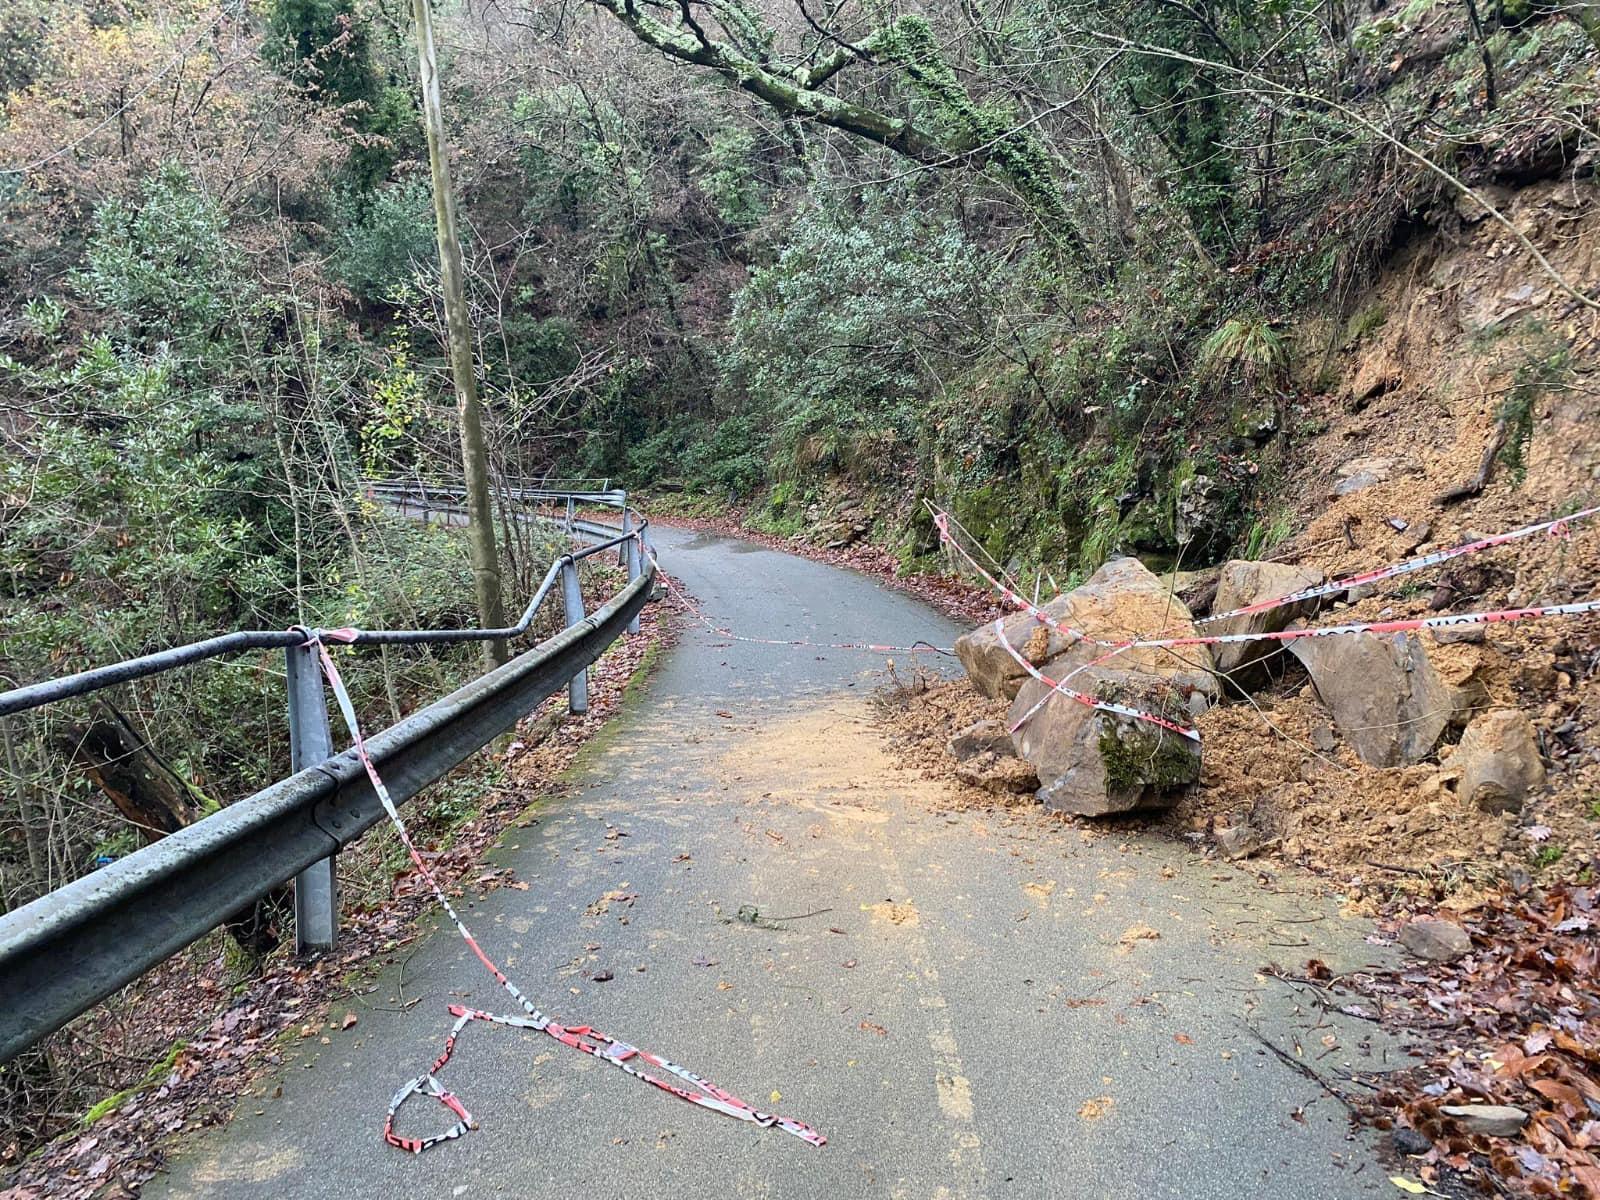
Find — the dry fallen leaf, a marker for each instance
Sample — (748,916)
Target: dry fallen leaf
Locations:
(1183,1039)
(1411,1185)
(869,1027)
(349,1020)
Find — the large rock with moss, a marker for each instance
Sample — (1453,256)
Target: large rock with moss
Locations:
(1120,600)
(1243,583)
(1094,763)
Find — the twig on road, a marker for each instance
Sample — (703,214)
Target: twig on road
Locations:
(1295,1064)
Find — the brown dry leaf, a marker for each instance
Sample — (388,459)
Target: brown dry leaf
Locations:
(1183,1039)
(349,1020)
(869,1027)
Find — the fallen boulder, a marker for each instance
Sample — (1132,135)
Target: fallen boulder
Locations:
(981,737)
(1093,763)
(1122,600)
(1498,760)
(1434,939)
(1382,691)
(1243,583)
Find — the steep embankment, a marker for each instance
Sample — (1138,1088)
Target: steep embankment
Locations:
(1460,400)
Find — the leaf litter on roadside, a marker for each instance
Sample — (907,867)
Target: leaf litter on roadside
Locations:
(1514,1023)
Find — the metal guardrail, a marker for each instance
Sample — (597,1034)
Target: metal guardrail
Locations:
(66,951)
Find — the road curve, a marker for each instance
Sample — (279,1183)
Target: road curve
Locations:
(976,1010)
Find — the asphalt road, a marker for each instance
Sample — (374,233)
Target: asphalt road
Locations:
(976,1008)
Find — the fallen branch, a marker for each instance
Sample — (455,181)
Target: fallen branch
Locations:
(1485,467)
(1294,1063)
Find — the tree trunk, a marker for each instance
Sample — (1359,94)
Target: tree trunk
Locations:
(156,801)
(474,449)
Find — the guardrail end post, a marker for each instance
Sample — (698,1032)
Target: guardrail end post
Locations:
(634,549)
(572,593)
(316,890)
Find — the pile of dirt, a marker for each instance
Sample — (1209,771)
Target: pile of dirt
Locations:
(919,715)
(1275,767)
(1324,808)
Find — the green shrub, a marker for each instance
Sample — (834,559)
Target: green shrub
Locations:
(385,239)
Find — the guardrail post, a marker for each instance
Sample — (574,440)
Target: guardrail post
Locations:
(316,901)
(572,593)
(627,528)
(569,514)
(633,550)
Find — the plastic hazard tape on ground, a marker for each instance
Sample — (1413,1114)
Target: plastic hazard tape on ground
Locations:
(680,1081)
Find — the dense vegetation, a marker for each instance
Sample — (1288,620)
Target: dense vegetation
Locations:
(1052,262)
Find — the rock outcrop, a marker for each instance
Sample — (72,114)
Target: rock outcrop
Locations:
(1243,583)
(1382,691)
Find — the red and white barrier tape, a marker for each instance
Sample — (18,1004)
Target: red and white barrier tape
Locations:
(1558,527)
(1060,688)
(608,1049)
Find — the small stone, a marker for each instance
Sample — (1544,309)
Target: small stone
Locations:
(1408,1142)
(1452,635)
(1237,841)
(1001,775)
(1492,1120)
(982,737)
(1359,482)
(1434,939)
(1324,739)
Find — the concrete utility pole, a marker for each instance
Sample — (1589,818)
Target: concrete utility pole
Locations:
(474,452)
